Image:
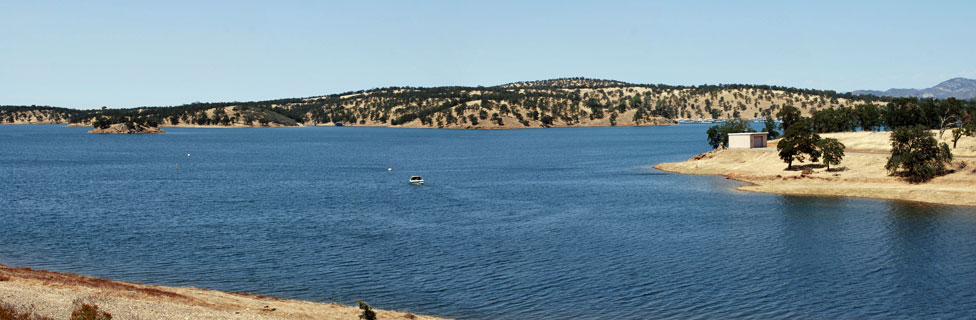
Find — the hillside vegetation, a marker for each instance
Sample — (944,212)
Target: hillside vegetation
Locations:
(548,103)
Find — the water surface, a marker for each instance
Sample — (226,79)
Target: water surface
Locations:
(512,224)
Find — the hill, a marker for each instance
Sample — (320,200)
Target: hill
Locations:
(564,102)
(959,88)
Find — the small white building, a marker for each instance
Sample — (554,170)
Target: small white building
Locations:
(747,140)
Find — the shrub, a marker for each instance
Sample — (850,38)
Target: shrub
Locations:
(90,312)
(368,313)
(916,155)
(8,312)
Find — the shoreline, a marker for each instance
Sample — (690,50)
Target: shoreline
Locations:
(859,175)
(55,294)
(367,126)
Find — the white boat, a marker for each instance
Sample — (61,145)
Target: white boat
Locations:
(416,180)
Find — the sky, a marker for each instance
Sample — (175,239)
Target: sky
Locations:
(88,54)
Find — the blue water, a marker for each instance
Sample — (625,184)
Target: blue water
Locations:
(512,224)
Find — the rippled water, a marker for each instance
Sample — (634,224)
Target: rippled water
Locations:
(512,224)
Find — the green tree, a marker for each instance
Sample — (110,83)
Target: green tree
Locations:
(788,115)
(869,117)
(770,128)
(901,112)
(799,141)
(497,119)
(916,155)
(546,120)
(718,135)
(832,151)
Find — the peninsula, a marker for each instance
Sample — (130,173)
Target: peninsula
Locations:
(861,173)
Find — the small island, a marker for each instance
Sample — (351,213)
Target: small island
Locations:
(127,128)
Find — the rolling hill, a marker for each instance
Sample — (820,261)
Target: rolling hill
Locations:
(564,102)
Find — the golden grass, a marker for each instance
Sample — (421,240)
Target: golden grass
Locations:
(859,174)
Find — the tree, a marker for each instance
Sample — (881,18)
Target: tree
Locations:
(916,155)
(799,141)
(788,115)
(902,112)
(869,117)
(948,112)
(966,128)
(770,128)
(718,135)
(832,151)
(546,120)
(101,123)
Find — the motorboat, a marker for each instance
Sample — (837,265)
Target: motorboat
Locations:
(416,180)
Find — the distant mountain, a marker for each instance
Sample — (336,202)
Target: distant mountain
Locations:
(959,88)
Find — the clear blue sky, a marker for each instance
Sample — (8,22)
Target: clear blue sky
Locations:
(84,54)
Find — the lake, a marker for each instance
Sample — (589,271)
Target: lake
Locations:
(512,224)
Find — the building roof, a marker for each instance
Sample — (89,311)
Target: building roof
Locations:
(747,133)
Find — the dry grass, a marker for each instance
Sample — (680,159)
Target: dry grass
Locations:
(858,175)
(56,294)
(880,142)
(70,279)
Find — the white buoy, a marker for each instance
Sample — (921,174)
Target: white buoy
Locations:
(389,169)
(187,154)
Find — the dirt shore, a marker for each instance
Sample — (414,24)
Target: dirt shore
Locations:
(860,174)
(55,295)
